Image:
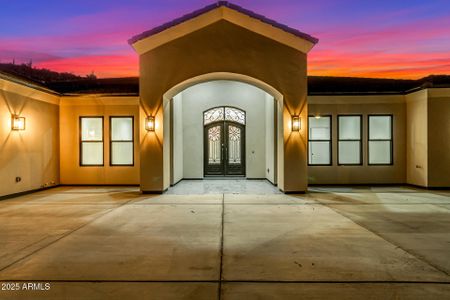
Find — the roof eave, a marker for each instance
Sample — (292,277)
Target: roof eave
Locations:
(222,10)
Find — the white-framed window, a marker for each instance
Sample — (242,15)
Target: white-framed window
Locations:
(380,139)
(349,140)
(122,141)
(319,141)
(91,141)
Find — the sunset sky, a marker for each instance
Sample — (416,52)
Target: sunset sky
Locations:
(383,38)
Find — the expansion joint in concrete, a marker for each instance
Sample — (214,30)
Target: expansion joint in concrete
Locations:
(63,236)
(219,288)
(417,256)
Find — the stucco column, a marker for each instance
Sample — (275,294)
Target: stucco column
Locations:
(224,48)
(152,150)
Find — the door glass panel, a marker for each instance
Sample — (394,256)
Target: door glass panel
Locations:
(215,147)
(235,115)
(234,145)
(213,115)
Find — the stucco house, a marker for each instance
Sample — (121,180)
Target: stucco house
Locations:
(223,91)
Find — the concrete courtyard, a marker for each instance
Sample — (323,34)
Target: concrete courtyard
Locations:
(250,242)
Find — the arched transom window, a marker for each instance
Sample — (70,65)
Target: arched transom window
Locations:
(224,113)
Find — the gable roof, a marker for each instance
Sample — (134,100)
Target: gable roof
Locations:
(230,12)
(210,7)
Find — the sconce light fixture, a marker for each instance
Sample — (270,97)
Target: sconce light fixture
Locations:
(317,117)
(150,123)
(17,123)
(295,123)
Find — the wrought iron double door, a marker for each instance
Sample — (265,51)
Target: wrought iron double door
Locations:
(224,149)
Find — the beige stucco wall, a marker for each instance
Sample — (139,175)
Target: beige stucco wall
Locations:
(362,105)
(32,154)
(47,152)
(439,137)
(212,50)
(70,110)
(417,138)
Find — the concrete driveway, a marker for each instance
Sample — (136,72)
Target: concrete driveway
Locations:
(332,243)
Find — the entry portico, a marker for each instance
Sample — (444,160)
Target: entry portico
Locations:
(224,42)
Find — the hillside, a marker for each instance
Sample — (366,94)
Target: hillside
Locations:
(43,76)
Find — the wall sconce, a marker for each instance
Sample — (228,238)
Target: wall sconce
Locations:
(17,123)
(150,123)
(296,123)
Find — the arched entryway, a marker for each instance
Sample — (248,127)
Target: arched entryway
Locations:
(220,97)
(226,40)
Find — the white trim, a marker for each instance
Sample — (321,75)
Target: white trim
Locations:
(222,76)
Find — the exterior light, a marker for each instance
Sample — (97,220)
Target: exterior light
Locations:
(317,117)
(17,123)
(296,123)
(150,123)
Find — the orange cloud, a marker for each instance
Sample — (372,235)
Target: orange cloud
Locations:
(378,64)
(102,65)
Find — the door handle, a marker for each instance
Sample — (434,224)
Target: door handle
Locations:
(224,152)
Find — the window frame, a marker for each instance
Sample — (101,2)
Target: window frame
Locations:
(361,159)
(80,140)
(330,140)
(380,140)
(111,141)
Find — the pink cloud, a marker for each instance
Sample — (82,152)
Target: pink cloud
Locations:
(389,44)
(417,33)
(101,65)
(378,64)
